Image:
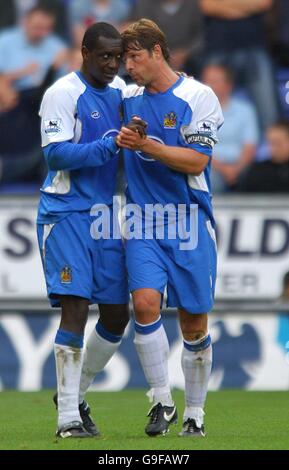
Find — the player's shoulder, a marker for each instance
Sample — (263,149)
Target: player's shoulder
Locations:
(68,87)
(132,91)
(118,83)
(191,91)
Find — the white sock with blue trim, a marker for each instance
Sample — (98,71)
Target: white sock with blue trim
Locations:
(196,365)
(100,348)
(68,359)
(152,346)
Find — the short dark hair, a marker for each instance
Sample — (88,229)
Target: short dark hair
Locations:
(145,34)
(95,31)
(281,124)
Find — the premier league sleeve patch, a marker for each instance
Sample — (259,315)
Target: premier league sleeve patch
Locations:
(52,126)
(203,133)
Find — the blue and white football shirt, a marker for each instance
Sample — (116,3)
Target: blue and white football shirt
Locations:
(187,115)
(72,111)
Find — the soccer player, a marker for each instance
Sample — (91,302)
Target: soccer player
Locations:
(80,117)
(172,166)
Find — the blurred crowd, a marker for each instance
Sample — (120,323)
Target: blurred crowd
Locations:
(240,48)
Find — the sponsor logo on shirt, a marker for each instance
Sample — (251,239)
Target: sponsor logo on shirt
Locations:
(95,114)
(170,120)
(52,126)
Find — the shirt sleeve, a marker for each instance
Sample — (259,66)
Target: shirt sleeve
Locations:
(57,114)
(68,156)
(203,119)
(58,120)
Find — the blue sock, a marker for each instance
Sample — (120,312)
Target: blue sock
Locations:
(199,345)
(147,329)
(112,338)
(67,338)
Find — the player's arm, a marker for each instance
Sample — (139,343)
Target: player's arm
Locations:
(180,159)
(69,156)
(198,135)
(58,122)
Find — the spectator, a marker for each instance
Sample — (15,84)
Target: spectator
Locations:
(12,12)
(27,54)
(27,51)
(8,96)
(235,34)
(271,176)
(86,12)
(181,21)
(239,134)
(74,60)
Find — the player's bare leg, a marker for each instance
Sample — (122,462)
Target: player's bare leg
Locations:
(153,350)
(68,357)
(103,342)
(196,365)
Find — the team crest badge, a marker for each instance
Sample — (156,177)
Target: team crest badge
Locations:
(66,275)
(170,120)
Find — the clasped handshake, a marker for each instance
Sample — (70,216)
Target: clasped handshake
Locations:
(133,135)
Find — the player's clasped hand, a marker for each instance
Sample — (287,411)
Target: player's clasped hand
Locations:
(138,125)
(133,135)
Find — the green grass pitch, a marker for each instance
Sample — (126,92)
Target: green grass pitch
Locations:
(234,420)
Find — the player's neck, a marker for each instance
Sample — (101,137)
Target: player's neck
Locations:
(91,80)
(164,80)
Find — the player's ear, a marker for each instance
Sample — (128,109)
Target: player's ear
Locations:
(84,52)
(157,51)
